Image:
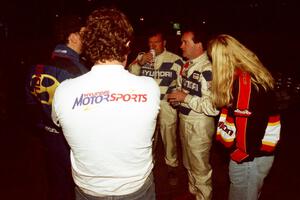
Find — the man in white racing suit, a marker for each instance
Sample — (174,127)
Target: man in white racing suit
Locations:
(196,113)
(164,67)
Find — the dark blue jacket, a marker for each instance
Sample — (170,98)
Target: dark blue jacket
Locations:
(42,81)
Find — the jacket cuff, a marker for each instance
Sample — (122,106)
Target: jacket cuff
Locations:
(188,98)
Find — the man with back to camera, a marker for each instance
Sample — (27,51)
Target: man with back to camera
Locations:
(196,113)
(164,67)
(42,81)
(111,155)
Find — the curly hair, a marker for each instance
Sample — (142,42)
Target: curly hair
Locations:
(227,55)
(107,35)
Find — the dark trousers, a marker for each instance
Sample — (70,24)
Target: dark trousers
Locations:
(60,181)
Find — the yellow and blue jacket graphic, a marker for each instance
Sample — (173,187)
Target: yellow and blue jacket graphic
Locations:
(43,79)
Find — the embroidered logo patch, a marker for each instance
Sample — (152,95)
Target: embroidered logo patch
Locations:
(196,75)
(242,113)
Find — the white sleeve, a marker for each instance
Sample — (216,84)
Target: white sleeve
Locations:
(134,67)
(204,103)
(54,115)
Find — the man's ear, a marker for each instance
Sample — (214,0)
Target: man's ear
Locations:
(74,42)
(199,44)
(165,43)
(73,38)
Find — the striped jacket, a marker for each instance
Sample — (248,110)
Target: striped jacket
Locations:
(166,70)
(251,125)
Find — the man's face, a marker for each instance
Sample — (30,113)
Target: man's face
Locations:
(79,45)
(188,46)
(157,43)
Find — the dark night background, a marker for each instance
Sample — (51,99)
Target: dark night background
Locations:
(268,27)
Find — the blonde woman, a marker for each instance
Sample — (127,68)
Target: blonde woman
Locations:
(249,123)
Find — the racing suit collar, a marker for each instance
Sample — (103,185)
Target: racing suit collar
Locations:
(62,50)
(162,53)
(200,59)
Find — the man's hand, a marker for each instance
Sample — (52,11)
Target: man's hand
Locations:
(176,96)
(146,58)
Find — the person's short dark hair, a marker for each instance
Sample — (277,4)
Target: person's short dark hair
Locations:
(200,34)
(65,25)
(153,31)
(107,35)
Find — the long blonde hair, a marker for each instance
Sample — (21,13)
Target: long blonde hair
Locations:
(227,55)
